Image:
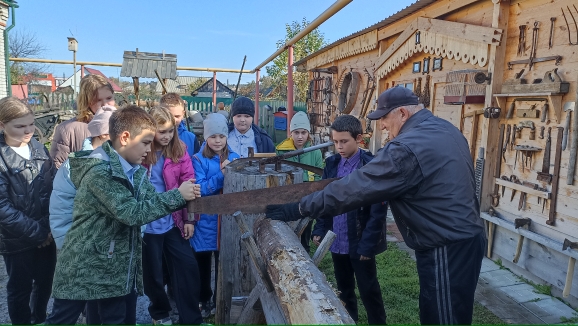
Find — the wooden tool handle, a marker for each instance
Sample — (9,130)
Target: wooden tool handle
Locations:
(511,110)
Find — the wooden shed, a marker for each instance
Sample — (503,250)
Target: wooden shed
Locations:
(464,58)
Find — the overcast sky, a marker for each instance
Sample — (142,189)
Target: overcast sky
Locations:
(201,33)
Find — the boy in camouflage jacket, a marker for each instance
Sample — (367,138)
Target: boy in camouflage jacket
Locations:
(101,256)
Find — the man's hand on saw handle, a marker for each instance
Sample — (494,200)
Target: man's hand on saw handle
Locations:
(284,212)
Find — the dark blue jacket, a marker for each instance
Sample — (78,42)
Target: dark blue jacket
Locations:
(262,139)
(366,227)
(426,174)
(189,139)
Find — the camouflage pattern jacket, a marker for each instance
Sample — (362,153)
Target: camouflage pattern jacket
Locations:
(102,254)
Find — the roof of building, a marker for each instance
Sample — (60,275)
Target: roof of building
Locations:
(418,5)
(180,84)
(206,90)
(115,87)
(144,64)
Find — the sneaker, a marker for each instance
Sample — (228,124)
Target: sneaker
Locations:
(206,309)
(164,321)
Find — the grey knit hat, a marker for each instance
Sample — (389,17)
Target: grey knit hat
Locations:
(215,124)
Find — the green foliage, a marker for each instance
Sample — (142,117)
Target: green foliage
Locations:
(312,42)
(196,84)
(538,288)
(16,74)
(572,320)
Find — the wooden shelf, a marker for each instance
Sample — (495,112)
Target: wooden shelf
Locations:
(555,100)
(522,188)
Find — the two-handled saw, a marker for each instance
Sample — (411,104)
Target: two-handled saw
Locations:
(255,201)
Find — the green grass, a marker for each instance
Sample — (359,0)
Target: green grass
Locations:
(399,283)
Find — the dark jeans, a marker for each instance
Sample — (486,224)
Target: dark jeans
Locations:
(29,285)
(448,277)
(93,316)
(184,276)
(204,258)
(110,310)
(306,237)
(347,271)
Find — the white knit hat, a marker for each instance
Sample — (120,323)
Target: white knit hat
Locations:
(215,124)
(99,124)
(300,121)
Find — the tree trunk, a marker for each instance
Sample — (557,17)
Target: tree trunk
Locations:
(304,294)
(235,275)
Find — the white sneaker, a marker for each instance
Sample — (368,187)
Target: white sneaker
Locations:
(164,321)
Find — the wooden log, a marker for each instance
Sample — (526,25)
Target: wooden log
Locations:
(304,294)
(235,276)
(323,247)
(569,275)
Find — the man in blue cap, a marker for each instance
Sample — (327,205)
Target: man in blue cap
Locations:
(426,174)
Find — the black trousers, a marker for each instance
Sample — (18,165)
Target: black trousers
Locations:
(184,276)
(306,237)
(204,259)
(110,310)
(29,285)
(448,277)
(93,316)
(347,270)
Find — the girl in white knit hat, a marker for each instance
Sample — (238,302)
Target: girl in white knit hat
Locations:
(300,128)
(209,164)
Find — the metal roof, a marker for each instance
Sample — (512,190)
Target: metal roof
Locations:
(143,64)
(418,5)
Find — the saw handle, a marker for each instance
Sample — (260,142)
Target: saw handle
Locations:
(511,110)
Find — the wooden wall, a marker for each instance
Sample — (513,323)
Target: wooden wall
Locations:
(539,261)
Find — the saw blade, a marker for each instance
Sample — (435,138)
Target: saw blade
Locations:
(254,201)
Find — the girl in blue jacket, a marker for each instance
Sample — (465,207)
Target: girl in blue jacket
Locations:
(209,166)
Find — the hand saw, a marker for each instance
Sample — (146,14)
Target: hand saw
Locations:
(254,201)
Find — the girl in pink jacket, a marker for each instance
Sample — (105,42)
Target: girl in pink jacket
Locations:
(169,165)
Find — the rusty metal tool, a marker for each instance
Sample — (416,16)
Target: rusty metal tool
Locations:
(496,195)
(254,201)
(542,132)
(510,112)
(514,179)
(508,131)
(513,141)
(568,107)
(545,109)
(568,25)
(534,44)
(504,187)
(555,178)
(551,40)
(527,124)
(545,175)
(522,41)
(527,154)
(573,150)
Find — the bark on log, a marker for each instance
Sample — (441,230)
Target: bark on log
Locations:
(235,276)
(304,294)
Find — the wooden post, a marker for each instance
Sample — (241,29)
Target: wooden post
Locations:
(490,127)
(304,294)
(569,276)
(235,275)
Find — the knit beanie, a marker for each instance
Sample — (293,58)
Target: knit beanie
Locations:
(243,105)
(215,124)
(99,123)
(300,121)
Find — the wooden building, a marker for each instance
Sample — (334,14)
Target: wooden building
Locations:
(464,58)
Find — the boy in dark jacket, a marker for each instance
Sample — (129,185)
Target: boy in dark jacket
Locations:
(243,133)
(360,233)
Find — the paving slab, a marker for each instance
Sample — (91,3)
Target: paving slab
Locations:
(523,293)
(487,295)
(488,265)
(499,278)
(550,310)
(513,314)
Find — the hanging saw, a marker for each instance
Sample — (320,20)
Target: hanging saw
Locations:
(277,160)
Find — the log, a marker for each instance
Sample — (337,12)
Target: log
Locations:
(323,247)
(235,275)
(304,294)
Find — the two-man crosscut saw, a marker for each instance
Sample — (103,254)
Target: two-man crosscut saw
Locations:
(282,158)
(254,201)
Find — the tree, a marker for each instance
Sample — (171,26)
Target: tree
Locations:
(24,44)
(309,44)
(196,84)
